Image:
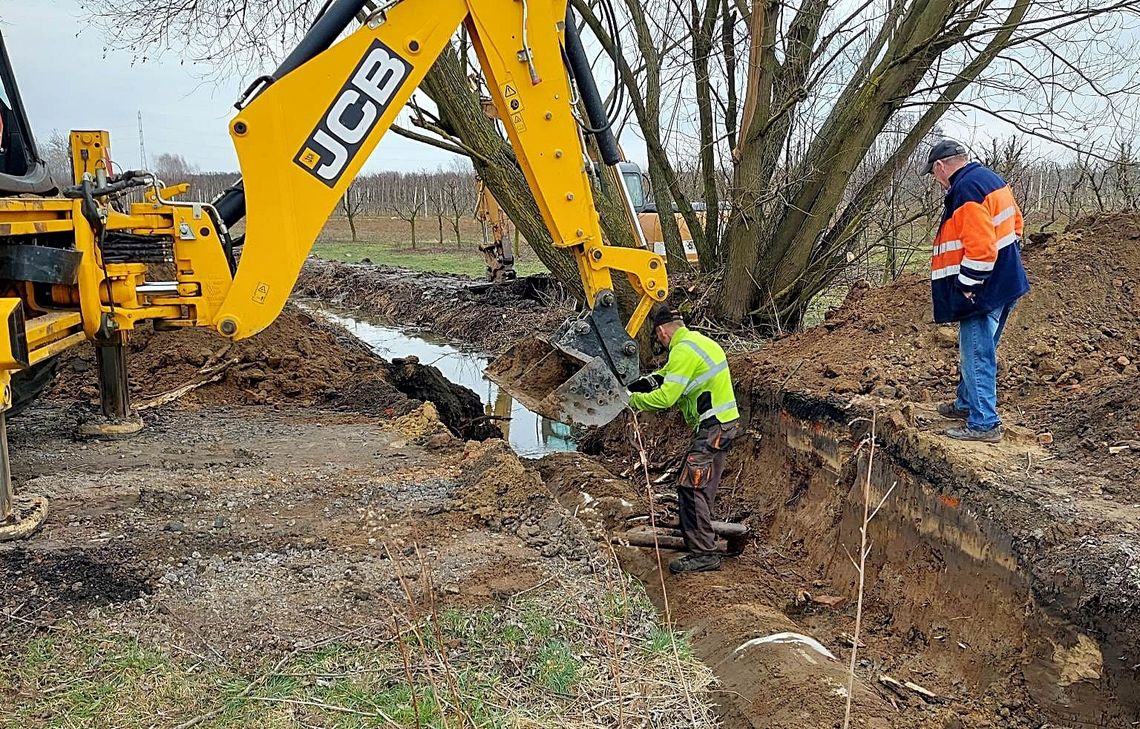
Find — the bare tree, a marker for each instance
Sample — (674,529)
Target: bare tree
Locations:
(644,87)
(173,168)
(1125,169)
(57,154)
(410,212)
(824,83)
(351,205)
(438,199)
(459,207)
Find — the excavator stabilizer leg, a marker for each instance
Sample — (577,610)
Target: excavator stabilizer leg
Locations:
(119,419)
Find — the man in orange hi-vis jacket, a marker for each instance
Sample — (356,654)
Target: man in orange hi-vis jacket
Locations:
(976,277)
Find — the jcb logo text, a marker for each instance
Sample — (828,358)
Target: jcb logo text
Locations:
(353,114)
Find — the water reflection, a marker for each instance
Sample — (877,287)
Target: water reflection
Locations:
(528,433)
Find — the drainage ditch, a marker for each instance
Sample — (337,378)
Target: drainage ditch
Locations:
(529,434)
(958,629)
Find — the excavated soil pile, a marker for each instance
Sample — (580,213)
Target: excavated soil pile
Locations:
(456,405)
(488,317)
(1069,354)
(297,360)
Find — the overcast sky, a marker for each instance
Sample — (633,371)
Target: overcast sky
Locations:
(70,80)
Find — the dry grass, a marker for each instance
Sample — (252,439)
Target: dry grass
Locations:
(869,514)
(568,655)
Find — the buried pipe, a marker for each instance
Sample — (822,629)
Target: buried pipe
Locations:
(648,539)
(672,541)
(735,536)
(723,528)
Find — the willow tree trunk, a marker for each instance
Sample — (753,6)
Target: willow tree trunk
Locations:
(780,256)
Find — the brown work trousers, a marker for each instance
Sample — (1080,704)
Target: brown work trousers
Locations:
(700,477)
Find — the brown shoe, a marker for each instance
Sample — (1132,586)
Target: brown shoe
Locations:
(950,410)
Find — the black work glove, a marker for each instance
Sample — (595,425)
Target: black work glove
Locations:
(647,383)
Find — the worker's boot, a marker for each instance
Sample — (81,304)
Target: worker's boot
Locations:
(695,563)
(951,410)
(993,435)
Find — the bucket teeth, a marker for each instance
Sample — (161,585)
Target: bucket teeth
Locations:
(559,382)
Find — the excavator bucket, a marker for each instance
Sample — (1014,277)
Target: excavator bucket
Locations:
(559,383)
(576,376)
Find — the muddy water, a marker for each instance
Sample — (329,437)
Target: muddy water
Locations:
(528,433)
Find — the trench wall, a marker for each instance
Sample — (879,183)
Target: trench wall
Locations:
(944,577)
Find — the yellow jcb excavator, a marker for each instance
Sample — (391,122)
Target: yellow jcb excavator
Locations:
(75,259)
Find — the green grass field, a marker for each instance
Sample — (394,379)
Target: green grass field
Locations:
(387,241)
(463,262)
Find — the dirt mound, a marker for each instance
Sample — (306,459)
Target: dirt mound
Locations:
(421,423)
(1069,355)
(496,486)
(456,405)
(490,317)
(297,359)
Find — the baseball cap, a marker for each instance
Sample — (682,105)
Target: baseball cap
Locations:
(942,149)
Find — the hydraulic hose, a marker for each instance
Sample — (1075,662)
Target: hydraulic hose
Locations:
(337,16)
(600,124)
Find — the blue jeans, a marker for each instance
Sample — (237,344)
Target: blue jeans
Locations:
(978,339)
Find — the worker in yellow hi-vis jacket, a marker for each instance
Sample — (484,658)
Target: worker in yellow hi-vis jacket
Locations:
(696,376)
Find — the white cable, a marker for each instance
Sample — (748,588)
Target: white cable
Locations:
(534,79)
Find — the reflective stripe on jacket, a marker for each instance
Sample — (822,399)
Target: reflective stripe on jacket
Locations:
(696,376)
(978,247)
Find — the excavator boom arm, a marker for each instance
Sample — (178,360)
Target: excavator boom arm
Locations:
(304,138)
